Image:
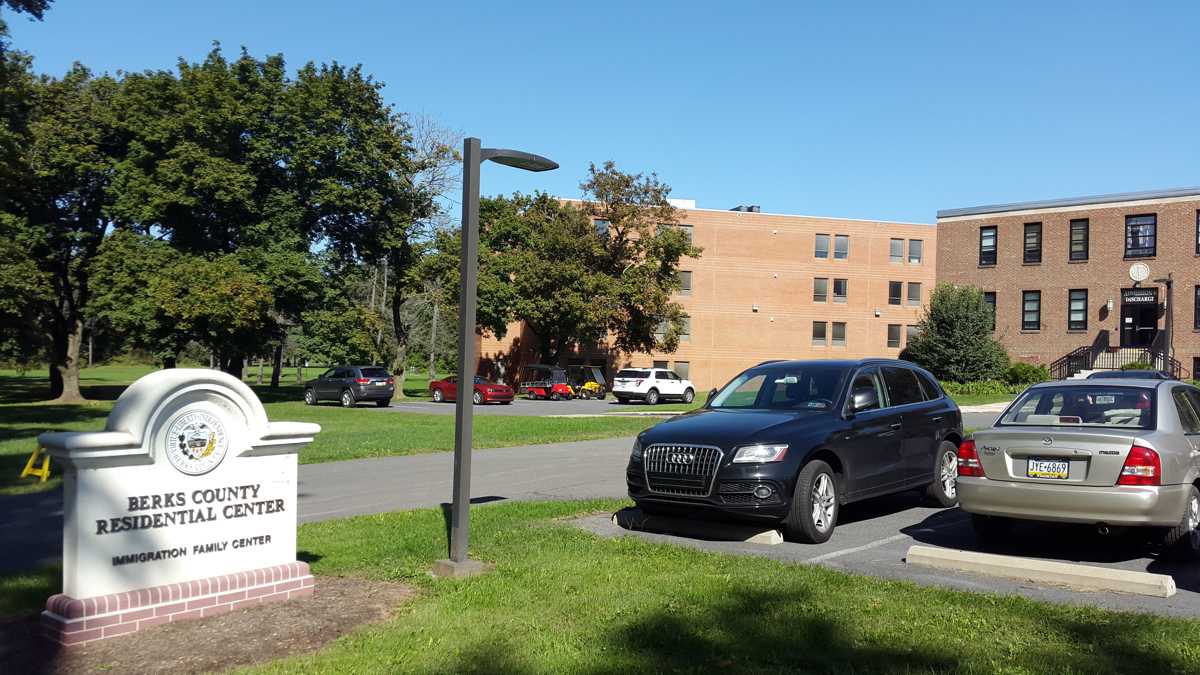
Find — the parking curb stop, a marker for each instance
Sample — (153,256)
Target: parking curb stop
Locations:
(1074,576)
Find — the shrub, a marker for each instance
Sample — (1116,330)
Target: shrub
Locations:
(955,340)
(1026,373)
(1137,365)
(982,388)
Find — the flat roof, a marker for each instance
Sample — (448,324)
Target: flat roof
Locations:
(1070,201)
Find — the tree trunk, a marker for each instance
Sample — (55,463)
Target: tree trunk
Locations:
(299,371)
(260,370)
(276,365)
(65,362)
(234,364)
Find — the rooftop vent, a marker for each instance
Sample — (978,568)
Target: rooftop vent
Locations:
(747,208)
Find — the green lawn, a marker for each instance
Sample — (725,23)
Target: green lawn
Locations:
(561,600)
(347,434)
(982,399)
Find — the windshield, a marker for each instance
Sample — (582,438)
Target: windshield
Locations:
(802,387)
(1084,405)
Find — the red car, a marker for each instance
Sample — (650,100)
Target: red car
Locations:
(485,391)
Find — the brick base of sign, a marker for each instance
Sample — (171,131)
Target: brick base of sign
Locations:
(75,621)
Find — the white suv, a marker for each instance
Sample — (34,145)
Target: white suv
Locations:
(651,385)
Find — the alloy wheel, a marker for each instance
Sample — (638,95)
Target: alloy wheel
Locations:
(1193,522)
(823,502)
(347,399)
(948,474)
(477,398)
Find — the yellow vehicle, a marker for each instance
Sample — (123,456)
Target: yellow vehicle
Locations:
(587,381)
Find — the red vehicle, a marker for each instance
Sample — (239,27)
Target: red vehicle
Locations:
(485,391)
(541,381)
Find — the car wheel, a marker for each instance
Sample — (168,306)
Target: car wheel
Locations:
(554,396)
(689,395)
(438,396)
(384,403)
(347,399)
(583,394)
(477,399)
(814,510)
(310,397)
(505,402)
(602,396)
(991,529)
(943,491)
(652,397)
(1182,542)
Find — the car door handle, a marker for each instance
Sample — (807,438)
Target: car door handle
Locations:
(894,426)
(939,418)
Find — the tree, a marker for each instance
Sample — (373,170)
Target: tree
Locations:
(544,262)
(57,209)
(954,339)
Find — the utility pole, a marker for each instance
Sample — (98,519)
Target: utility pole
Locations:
(436,296)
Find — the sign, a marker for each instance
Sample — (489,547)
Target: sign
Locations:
(1139,296)
(1139,272)
(188,481)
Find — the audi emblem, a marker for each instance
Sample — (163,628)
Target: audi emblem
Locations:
(681,458)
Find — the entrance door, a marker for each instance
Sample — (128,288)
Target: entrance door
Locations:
(1139,316)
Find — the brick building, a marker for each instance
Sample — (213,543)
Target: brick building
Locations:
(771,286)
(1059,275)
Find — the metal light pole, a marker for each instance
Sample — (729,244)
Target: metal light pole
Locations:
(460,513)
(1169,282)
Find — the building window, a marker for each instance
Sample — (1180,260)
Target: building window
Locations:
(685,282)
(820,289)
(660,331)
(895,292)
(1033,242)
(989,299)
(818,333)
(686,229)
(910,332)
(916,249)
(1196,323)
(840,287)
(685,335)
(893,336)
(1079,239)
(822,247)
(914,293)
(601,227)
(683,369)
(838,339)
(841,246)
(1031,310)
(660,364)
(1141,236)
(987,245)
(896,250)
(1077,309)
(1197,240)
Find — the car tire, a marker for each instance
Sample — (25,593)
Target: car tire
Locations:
(992,529)
(348,399)
(584,395)
(477,398)
(310,396)
(1182,542)
(942,491)
(384,403)
(689,395)
(652,397)
(602,396)
(505,402)
(814,511)
(554,396)
(438,396)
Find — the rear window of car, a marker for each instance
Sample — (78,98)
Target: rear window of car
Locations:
(633,374)
(374,372)
(1091,406)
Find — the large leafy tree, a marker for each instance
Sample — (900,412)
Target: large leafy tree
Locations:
(954,340)
(544,262)
(58,204)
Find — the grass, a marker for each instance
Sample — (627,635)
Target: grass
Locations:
(982,399)
(562,600)
(347,434)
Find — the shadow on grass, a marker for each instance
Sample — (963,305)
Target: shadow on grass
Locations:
(32,388)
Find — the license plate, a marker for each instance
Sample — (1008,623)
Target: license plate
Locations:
(1047,468)
(381,384)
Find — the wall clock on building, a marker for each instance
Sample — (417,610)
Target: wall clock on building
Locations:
(196,442)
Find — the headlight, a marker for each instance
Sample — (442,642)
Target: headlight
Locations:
(636,453)
(760,453)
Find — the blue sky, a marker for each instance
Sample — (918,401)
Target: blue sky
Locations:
(886,110)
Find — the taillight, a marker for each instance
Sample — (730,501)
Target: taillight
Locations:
(391,380)
(1142,467)
(968,460)
(362,380)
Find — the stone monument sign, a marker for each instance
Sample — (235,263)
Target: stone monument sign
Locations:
(184,506)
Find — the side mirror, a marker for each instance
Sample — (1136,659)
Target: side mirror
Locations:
(711,393)
(865,398)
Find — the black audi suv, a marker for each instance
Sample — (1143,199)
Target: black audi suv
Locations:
(793,441)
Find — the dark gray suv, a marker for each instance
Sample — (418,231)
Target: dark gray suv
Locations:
(351,384)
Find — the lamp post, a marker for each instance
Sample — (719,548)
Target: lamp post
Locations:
(1168,354)
(460,512)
